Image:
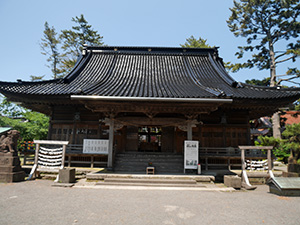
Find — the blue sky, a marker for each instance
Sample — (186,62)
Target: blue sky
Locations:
(121,23)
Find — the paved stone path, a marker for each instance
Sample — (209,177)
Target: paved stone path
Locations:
(37,202)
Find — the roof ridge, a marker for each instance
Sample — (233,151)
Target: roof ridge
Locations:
(150,50)
(21,82)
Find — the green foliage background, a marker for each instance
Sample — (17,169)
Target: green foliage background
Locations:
(283,147)
(32,125)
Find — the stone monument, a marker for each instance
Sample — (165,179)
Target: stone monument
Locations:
(10,167)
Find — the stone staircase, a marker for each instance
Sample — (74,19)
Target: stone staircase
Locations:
(150,182)
(164,163)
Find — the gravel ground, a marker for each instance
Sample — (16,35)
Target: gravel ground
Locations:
(37,202)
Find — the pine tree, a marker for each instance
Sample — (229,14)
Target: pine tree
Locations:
(192,42)
(74,39)
(266,23)
(49,45)
(36,78)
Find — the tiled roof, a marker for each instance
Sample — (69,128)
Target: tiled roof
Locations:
(148,72)
(290,117)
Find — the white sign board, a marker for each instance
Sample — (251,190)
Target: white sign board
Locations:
(191,154)
(95,146)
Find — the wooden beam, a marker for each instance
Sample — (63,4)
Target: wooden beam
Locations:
(146,121)
(155,108)
(256,147)
(51,142)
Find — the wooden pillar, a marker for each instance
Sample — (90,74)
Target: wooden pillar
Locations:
(244,173)
(248,131)
(111,143)
(92,161)
(270,163)
(36,157)
(63,156)
(49,136)
(74,141)
(243,159)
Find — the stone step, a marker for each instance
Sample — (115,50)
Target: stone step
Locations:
(150,184)
(151,181)
(103,176)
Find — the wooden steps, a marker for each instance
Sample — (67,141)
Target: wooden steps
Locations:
(164,163)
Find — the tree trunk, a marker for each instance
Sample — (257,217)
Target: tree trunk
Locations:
(276,116)
(272,65)
(276,125)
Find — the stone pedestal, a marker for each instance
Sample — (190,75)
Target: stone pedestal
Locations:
(294,168)
(290,174)
(10,168)
(233,181)
(66,175)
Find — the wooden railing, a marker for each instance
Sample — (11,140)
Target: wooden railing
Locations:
(75,155)
(230,152)
(74,149)
(226,156)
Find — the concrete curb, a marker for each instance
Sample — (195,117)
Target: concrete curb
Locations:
(154,188)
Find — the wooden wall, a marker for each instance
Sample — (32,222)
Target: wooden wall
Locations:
(75,123)
(167,139)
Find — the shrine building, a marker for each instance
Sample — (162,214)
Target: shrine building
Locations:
(147,101)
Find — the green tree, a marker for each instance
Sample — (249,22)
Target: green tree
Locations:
(292,141)
(36,78)
(32,125)
(263,82)
(192,42)
(73,41)
(280,150)
(265,24)
(9,109)
(49,46)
